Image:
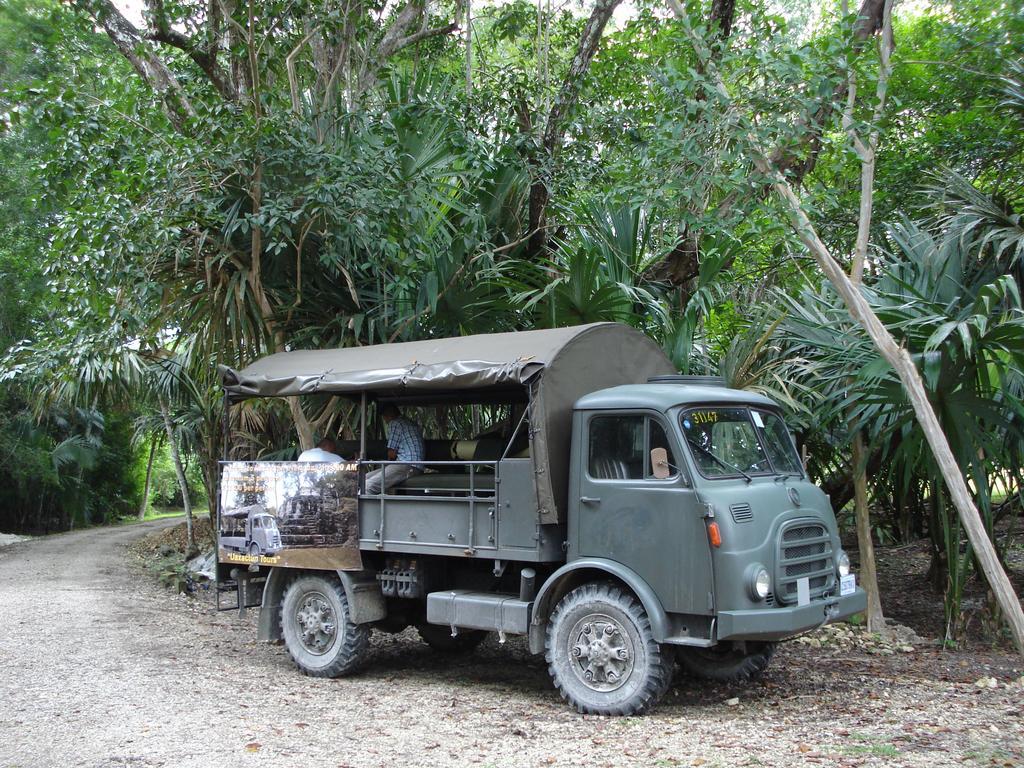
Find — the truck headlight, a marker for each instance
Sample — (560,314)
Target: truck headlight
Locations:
(843,563)
(759,582)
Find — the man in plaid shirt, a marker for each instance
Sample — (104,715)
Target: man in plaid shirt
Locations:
(405,444)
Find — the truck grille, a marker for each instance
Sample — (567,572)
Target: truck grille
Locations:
(805,550)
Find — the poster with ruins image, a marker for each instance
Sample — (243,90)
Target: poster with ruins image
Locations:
(291,514)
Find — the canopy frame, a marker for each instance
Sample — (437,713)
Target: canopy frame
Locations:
(552,367)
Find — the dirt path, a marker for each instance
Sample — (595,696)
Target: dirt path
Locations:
(102,668)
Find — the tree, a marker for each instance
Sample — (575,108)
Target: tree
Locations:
(773,169)
(954,307)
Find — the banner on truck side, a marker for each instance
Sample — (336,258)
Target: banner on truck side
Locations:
(289,514)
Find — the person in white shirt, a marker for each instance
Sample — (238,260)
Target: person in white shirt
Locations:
(324,451)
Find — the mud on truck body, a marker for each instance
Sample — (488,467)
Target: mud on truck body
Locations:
(623,518)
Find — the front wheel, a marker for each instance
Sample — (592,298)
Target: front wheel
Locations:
(602,655)
(727,662)
(317,628)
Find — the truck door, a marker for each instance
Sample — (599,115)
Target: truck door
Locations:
(627,515)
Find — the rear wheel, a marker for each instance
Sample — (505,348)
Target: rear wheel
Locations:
(602,655)
(727,662)
(318,630)
(440,638)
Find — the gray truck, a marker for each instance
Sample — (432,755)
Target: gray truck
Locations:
(250,530)
(623,518)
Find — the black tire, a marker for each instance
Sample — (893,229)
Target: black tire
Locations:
(318,633)
(726,662)
(254,549)
(601,653)
(440,638)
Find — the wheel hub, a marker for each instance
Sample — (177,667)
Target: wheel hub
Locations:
(314,617)
(601,652)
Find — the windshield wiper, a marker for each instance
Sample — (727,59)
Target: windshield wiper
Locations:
(720,461)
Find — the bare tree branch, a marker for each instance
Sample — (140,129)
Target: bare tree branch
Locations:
(554,130)
(400,35)
(143,59)
(423,34)
(799,160)
(722,14)
(204,54)
(293,78)
(868,150)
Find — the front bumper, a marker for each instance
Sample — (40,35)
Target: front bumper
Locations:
(781,623)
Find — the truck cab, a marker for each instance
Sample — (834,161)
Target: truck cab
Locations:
(699,490)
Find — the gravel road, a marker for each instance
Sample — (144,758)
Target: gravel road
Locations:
(103,668)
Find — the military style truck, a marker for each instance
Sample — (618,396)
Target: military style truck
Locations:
(621,517)
(250,529)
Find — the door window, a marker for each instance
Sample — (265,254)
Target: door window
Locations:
(616,447)
(620,447)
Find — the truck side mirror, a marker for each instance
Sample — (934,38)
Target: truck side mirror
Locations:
(659,463)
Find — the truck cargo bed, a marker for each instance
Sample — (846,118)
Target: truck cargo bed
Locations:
(484,514)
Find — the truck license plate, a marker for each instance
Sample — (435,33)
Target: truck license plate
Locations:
(803,591)
(847,585)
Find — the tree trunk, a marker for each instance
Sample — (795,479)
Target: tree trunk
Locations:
(179,470)
(903,364)
(149,476)
(140,55)
(469,53)
(303,426)
(938,566)
(865,546)
(542,160)
(86,518)
(211,470)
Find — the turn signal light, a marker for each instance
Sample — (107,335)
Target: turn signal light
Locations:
(714,535)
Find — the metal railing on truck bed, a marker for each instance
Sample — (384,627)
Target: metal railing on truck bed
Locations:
(471,508)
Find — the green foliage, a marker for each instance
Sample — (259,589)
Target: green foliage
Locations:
(72,468)
(951,299)
(62,465)
(140,248)
(947,87)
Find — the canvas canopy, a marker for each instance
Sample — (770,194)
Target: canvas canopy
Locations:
(556,366)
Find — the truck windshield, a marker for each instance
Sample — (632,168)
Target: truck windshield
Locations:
(778,443)
(733,442)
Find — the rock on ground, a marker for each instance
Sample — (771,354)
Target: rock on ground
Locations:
(103,668)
